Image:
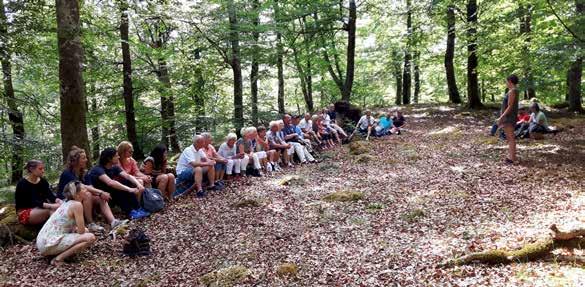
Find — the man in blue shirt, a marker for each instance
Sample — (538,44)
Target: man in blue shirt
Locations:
(291,137)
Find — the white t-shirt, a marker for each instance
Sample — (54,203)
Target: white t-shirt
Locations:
(365,122)
(188,156)
(327,120)
(306,125)
(227,152)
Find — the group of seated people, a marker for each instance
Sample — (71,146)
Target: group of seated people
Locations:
(386,124)
(528,124)
(118,180)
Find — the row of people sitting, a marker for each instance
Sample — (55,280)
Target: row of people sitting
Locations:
(118,180)
(385,125)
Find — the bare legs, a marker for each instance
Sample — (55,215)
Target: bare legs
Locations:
(39,216)
(510,137)
(84,241)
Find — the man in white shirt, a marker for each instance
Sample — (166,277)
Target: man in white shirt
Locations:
(191,166)
(306,126)
(365,124)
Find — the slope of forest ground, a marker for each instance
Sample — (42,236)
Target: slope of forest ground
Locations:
(435,192)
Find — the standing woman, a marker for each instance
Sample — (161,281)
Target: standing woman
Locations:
(35,201)
(508,117)
(65,234)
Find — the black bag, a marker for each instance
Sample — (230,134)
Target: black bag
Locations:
(152,200)
(138,244)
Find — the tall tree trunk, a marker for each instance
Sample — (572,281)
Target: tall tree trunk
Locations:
(474,101)
(14,115)
(302,77)
(95,131)
(337,77)
(576,69)
(167,111)
(254,71)
(349,72)
(279,58)
(454,96)
(406,78)
(72,99)
(198,87)
(525,30)
(236,67)
(127,73)
(416,77)
(308,72)
(397,71)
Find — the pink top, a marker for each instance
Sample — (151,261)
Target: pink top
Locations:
(210,151)
(130,166)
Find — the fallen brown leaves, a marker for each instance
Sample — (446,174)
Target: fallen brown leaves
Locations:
(426,198)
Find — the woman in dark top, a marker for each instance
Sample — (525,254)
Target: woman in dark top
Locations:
(508,117)
(75,170)
(108,176)
(156,167)
(35,201)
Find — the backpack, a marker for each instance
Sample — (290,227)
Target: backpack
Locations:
(152,200)
(137,244)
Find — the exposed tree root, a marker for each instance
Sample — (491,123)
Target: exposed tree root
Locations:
(572,239)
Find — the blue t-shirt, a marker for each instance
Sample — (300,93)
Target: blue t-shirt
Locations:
(385,122)
(299,132)
(288,129)
(92,177)
(66,177)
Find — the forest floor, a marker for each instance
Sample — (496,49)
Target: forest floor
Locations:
(437,191)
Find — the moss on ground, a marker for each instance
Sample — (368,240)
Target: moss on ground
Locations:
(287,270)
(344,196)
(225,277)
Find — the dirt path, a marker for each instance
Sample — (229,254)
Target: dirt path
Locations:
(435,192)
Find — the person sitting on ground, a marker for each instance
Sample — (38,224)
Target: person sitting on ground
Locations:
(291,136)
(538,121)
(306,126)
(398,120)
(156,166)
(330,119)
(327,123)
(124,189)
(192,165)
(384,125)
(277,143)
(235,162)
(308,144)
(523,122)
(220,162)
(323,133)
(97,199)
(262,146)
(64,234)
(34,200)
(129,164)
(247,147)
(366,124)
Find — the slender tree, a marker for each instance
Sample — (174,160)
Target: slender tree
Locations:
(127,86)
(406,78)
(279,58)
(574,75)
(397,71)
(72,100)
(254,68)
(416,69)
(454,96)
(235,63)
(14,115)
(525,31)
(474,101)
(350,69)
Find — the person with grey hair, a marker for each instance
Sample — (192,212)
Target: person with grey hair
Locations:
(236,162)
(365,124)
(275,142)
(192,165)
(291,136)
(220,161)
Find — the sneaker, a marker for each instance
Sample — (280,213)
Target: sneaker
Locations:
(138,213)
(118,223)
(218,186)
(277,167)
(200,193)
(269,167)
(93,227)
